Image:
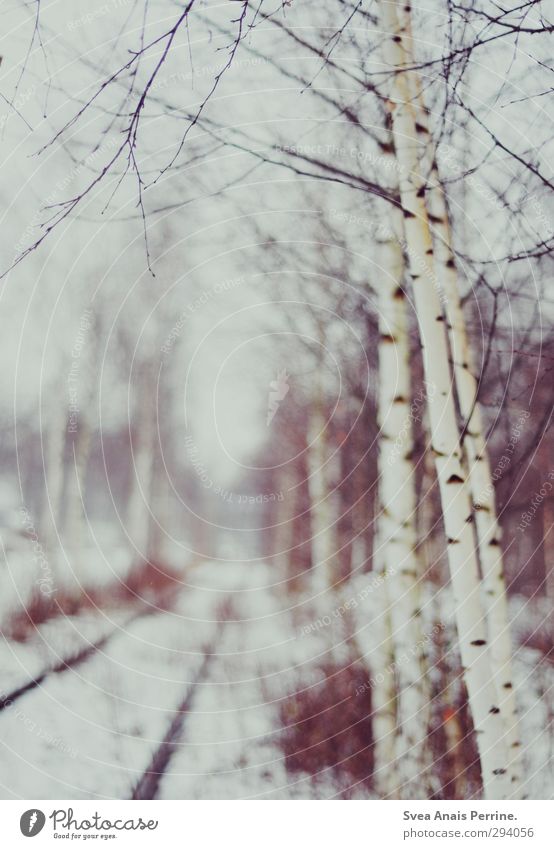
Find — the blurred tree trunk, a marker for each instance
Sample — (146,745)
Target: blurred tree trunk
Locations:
(76,487)
(455,498)
(88,358)
(345,497)
(449,698)
(144,435)
(548,548)
(54,477)
(283,537)
(322,516)
(159,511)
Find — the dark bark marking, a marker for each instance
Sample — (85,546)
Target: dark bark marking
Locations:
(455,479)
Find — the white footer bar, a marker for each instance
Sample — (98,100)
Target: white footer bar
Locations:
(279,825)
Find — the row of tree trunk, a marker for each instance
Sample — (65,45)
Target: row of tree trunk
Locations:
(416,273)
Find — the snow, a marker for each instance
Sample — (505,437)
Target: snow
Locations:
(109,713)
(91,731)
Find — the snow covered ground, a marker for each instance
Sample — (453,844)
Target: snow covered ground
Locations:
(91,731)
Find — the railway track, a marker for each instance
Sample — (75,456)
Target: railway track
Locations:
(74,659)
(147,785)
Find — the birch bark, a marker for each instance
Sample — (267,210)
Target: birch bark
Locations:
(454,490)
(481,486)
(480,480)
(397,524)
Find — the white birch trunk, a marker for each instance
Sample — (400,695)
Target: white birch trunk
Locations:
(397,525)
(454,490)
(480,481)
(481,486)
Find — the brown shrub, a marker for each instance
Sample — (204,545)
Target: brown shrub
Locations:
(326,728)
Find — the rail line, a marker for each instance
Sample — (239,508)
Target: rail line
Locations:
(74,659)
(148,784)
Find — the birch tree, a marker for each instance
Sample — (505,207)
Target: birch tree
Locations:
(481,485)
(397,512)
(452,478)
(474,443)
